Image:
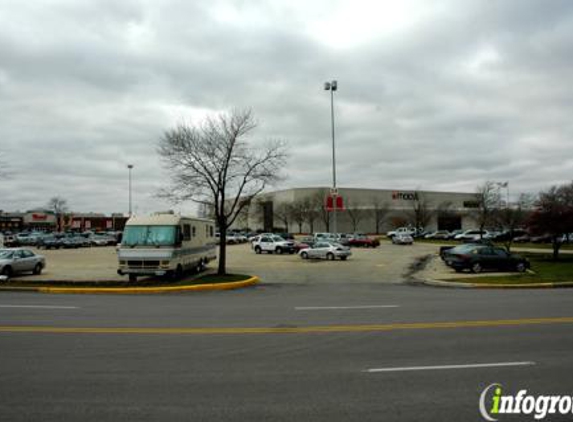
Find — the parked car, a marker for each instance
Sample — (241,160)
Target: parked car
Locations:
(510,234)
(470,235)
(402,239)
(446,250)
(326,250)
(49,242)
(454,233)
(482,257)
(272,244)
(439,234)
(361,240)
(14,261)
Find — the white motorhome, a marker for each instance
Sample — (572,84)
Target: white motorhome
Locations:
(165,244)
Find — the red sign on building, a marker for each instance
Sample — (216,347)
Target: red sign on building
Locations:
(334,203)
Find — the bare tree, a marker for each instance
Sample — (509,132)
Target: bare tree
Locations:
(311,211)
(420,214)
(356,213)
(318,201)
(284,213)
(514,217)
(379,213)
(553,215)
(212,163)
(59,206)
(487,201)
(298,210)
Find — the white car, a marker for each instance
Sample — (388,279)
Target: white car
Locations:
(326,250)
(402,239)
(471,235)
(273,244)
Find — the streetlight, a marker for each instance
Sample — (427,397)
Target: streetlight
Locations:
(129,167)
(332,86)
(506,186)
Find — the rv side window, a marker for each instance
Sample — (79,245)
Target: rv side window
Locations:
(194,231)
(186,232)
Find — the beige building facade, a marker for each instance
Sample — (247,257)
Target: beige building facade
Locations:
(365,210)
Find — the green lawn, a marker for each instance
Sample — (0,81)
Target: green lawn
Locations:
(545,269)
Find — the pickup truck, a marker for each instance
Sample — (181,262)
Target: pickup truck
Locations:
(273,244)
(411,231)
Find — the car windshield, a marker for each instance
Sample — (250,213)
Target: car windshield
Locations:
(278,239)
(6,254)
(149,236)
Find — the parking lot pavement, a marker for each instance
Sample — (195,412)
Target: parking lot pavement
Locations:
(83,264)
(388,263)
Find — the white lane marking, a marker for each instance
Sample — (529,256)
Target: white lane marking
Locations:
(39,307)
(320,308)
(468,366)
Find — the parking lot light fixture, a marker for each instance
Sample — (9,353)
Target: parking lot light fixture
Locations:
(129,167)
(332,86)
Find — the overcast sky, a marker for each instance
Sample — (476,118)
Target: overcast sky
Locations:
(437,95)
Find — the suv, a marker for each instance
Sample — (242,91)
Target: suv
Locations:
(273,243)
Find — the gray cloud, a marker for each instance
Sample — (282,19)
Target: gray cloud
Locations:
(467,92)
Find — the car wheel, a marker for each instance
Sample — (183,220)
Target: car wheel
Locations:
(304,255)
(476,267)
(38,269)
(132,278)
(520,267)
(179,272)
(330,256)
(257,249)
(7,271)
(279,250)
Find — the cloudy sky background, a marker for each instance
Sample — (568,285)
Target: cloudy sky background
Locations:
(432,95)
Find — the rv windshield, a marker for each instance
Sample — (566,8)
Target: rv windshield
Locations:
(149,236)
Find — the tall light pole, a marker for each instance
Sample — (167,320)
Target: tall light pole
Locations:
(130,167)
(332,86)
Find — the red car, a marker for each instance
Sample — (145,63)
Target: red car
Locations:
(364,241)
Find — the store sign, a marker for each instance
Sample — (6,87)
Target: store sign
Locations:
(39,217)
(404,196)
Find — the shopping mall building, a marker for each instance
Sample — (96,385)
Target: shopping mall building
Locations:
(395,208)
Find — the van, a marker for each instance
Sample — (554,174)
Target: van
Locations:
(165,244)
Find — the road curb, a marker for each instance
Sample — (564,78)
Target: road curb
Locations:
(138,290)
(457,284)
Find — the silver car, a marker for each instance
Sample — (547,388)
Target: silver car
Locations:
(13,261)
(326,250)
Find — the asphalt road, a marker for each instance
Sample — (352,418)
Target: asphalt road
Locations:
(280,352)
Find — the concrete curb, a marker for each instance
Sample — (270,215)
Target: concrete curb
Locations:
(461,285)
(138,290)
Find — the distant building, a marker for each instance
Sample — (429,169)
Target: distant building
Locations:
(432,210)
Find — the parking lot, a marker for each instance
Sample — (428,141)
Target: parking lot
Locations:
(386,264)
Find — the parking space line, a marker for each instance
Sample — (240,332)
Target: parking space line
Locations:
(39,307)
(446,367)
(321,308)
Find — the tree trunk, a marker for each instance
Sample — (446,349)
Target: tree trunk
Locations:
(222,251)
(556,246)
